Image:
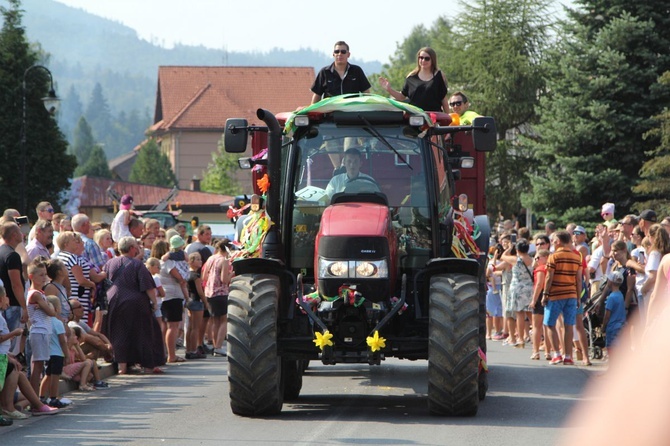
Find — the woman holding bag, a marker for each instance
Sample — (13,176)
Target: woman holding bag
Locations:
(216,275)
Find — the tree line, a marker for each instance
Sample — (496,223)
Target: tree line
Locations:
(579,102)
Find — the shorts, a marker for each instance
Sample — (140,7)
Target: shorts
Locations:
(567,307)
(195,305)
(74,370)
(172,310)
(218,305)
(611,336)
(493,304)
(55,366)
(538,308)
(39,345)
(10,369)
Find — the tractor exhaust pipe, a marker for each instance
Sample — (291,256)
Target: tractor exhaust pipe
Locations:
(272,248)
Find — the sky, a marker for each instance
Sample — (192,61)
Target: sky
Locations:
(372,28)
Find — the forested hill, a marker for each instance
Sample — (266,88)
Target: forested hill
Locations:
(86,49)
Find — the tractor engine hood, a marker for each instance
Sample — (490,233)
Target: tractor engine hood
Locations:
(355,219)
(353,234)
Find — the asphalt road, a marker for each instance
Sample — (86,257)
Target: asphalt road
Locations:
(527,403)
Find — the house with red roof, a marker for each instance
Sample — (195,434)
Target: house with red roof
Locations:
(193,104)
(92,196)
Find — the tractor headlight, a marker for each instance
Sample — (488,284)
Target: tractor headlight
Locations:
(339,269)
(376,269)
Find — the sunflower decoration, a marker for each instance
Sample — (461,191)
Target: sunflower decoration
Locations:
(323,340)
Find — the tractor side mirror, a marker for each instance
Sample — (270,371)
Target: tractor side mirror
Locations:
(484,135)
(235,136)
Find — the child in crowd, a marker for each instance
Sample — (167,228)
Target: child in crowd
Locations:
(195,306)
(59,286)
(154,267)
(57,360)
(615,310)
(81,369)
(39,314)
(5,367)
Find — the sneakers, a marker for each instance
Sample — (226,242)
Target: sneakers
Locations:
(44,410)
(15,414)
(220,352)
(195,355)
(568,361)
(499,336)
(557,360)
(205,349)
(6,421)
(55,402)
(66,401)
(100,385)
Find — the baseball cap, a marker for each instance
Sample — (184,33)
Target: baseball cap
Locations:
(579,230)
(648,215)
(615,277)
(126,202)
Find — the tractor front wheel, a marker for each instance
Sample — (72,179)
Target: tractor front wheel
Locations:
(254,368)
(453,349)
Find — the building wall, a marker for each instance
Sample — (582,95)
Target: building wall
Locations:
(191,154)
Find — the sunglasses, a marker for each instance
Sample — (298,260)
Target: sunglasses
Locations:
(456,103)
(340,51)
(51,210)
(426,58)
(540,243)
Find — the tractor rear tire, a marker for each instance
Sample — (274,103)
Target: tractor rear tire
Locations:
(453,348)
(254,368)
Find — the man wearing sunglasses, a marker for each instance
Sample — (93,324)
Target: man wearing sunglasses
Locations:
(340,77)
(459,104)
(44,212)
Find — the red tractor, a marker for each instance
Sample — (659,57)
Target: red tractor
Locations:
(386,262)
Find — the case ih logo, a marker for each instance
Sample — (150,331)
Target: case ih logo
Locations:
(368,251)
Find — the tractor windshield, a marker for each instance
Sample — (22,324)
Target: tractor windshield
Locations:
(352,160)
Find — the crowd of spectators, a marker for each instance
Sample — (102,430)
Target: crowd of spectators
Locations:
(74,292)
(556,290)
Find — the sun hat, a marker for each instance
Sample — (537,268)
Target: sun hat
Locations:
(176,242)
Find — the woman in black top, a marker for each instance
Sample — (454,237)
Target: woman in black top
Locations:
(425,86)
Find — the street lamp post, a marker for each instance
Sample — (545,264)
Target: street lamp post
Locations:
(51,103)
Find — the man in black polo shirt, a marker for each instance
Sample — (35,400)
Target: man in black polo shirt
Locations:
(340,77)
(11,270)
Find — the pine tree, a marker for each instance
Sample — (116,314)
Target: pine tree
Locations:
(48,166)
(602,96)
(500,71)
(95,166)
(71,109)
(653,190)
(152,167)
(83,141)
(220,175)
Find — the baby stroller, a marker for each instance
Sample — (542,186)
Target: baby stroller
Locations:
(593,325)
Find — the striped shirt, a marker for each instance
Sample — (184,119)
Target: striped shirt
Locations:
(40,322)
(565,265)
(70,260)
